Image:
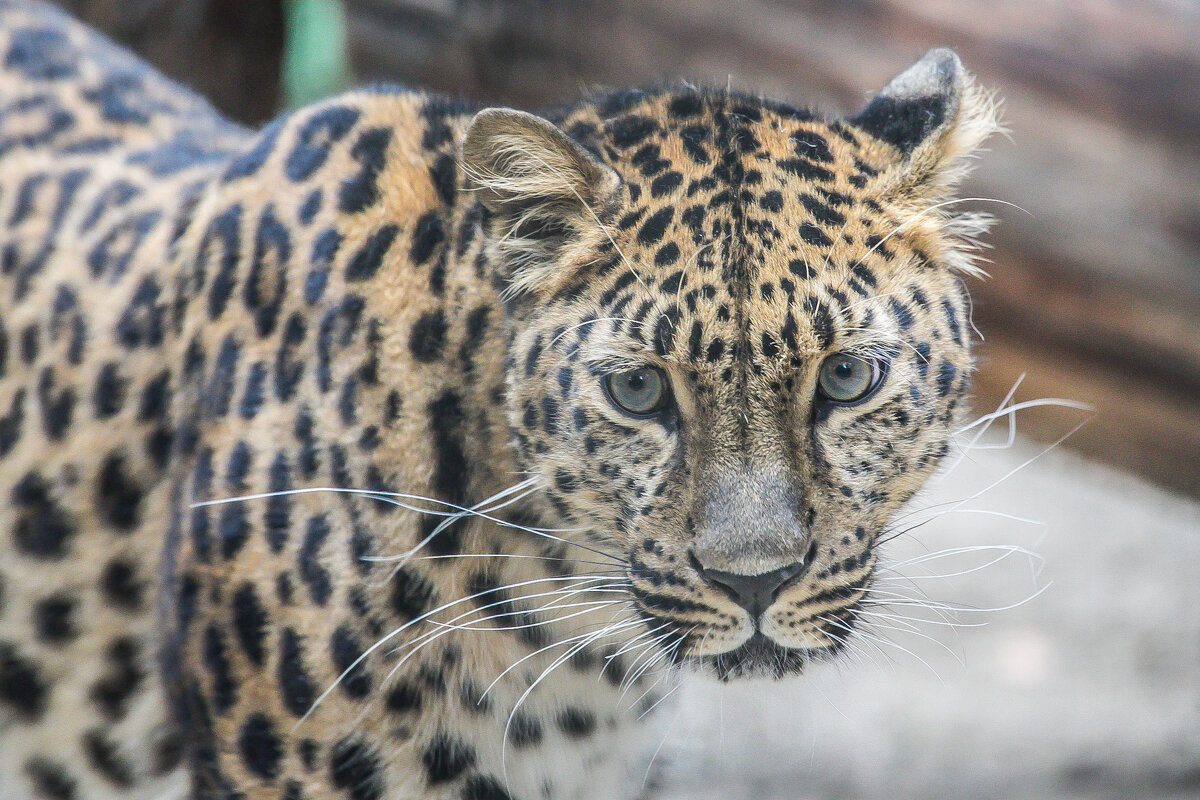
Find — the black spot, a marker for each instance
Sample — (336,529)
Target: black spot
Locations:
(549,415)
(249,162)
(716,348)
(296,687)
(524,731)
(345,651)
(311,206)
(109,395)
(314,575)
(10,423)
(104,756)
(252,395)
(119,584)
(428,233)
(902,313)
(216,662)
(428,336)
(223,234)
(443,173)
(446,758)
(801,269)
(629,130)
(403,698)
(945,378)
(42,529)
(814,235)
(22,686)
(811,145)
(219,391)
(112,692)
(952,321)
(141,322)
(52,619)
(288,369)
(324,249)
(232,529)
(250,623)
(314,140)
(50,779)
(483,787)
(266,281)
(277,516)
(805,169)
(664,331)
(771,201)
(41,54)
(365,263)
(412,594)
(821,212)
(29,344)
(451,468)
(355,769)
(260,746)
(576,722)
(57,407)
(370,150)
(118,496)
(922,358)
(665,183)
(667,254)
(655,226)
(113,254)
(240,459)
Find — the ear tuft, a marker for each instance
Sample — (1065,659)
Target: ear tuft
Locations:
(544,190)
(935,115)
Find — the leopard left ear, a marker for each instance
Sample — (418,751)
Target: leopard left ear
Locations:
(545,192)
(935,115)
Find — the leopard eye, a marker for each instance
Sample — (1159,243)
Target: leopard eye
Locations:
(846,378)
(641,391)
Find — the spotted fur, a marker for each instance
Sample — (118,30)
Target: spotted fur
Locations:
(207,330)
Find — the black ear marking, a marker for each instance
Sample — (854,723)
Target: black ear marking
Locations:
(917,103)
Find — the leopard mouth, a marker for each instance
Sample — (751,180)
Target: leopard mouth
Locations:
(757,657)
(761,656)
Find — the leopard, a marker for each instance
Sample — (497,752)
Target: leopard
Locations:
(411,448)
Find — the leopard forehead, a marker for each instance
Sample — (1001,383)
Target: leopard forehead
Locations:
(747,240)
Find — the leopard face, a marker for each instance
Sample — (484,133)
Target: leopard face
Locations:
(739,345)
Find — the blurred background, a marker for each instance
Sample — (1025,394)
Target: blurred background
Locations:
(1090,686)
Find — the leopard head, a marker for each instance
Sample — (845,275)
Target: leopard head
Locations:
(738,340)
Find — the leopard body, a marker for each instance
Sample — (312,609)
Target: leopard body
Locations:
(311,485)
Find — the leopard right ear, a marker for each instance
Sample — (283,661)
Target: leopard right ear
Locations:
(545,192)
(935,116)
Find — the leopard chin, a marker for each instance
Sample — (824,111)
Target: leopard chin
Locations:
(757,657)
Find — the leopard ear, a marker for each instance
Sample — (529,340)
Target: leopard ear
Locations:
(936,116)
(545,192)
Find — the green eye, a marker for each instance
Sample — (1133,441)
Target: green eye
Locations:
(846,379)
(640,391)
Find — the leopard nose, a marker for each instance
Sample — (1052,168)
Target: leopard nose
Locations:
(753,592)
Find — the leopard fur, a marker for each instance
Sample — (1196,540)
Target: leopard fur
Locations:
(208,333)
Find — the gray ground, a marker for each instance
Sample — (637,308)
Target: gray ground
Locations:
(1089,690)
